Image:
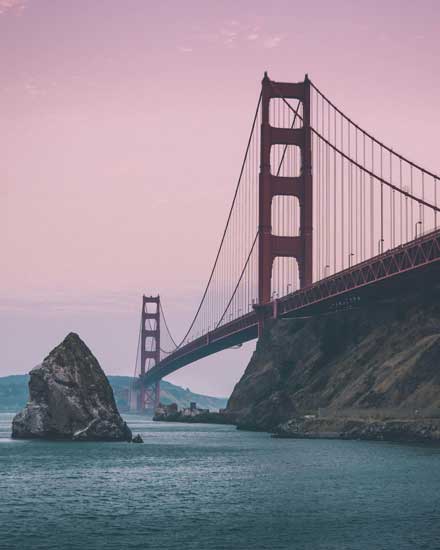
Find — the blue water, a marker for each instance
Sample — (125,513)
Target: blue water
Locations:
(213,487)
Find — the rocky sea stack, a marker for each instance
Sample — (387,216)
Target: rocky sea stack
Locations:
(70,398)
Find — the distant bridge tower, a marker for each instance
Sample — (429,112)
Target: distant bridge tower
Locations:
(272,246)
(150,338)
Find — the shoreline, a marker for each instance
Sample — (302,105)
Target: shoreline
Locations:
(203,418)
(410,430)
(407,430)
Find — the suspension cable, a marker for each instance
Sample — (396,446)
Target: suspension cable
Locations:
(375,176)
(378,178)
(130,387)
(239,279)
(352,162)
(166,325)
(226,226)
(285,147)
(372,137)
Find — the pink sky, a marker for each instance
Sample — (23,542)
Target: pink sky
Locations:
(123,125)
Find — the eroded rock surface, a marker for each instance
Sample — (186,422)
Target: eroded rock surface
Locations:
(70,398)
(370,373)
(408,429)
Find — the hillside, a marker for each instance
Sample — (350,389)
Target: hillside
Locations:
(14,394)
(381,361)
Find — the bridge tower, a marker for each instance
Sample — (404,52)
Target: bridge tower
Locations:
(271,246)
(150,333)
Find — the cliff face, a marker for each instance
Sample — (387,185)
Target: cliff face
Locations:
(382,358)
(70,398)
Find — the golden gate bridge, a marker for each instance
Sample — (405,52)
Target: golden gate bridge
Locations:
(324,216)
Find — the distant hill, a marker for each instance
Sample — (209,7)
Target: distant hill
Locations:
(14,394)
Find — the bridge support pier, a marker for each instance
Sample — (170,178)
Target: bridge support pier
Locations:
(149,396)
(271,246)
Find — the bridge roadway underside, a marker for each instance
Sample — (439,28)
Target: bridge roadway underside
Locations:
(391,288)
(236,338)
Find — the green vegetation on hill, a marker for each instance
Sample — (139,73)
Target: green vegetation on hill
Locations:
(14,394)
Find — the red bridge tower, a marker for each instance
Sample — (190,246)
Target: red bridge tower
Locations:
(271,246)
(150,334)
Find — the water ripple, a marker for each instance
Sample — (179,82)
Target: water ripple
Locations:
(213,487)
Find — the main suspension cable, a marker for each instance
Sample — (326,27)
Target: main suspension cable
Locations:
(239,280)
(166,325)
(130,387)
(418,167)
(226,226)
(363,168)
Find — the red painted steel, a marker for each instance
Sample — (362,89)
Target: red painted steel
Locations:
(382,276)
(149,392)
(271,246)
(345,287)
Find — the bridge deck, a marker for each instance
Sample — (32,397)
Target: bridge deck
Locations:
(386,275)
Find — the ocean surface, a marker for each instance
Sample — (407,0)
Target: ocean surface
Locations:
(213,487)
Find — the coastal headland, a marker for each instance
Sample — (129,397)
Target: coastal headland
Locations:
(371,372)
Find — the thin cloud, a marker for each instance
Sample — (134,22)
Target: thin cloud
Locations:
(228,33)
(234,33)
(273,42)
(16,6)
(33,89)
(185,49)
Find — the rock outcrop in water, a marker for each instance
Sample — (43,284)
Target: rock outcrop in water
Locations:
(369,373)
(70,398)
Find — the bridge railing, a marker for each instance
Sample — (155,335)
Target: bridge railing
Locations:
(399,259)
(407,256)
(366,198)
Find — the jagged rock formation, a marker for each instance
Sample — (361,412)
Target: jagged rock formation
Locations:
(379,362)
(70,398)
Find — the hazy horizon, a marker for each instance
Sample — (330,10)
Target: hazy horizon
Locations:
(123,130)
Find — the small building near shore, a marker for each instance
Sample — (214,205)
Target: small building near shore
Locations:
(192,410)
(167,410)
